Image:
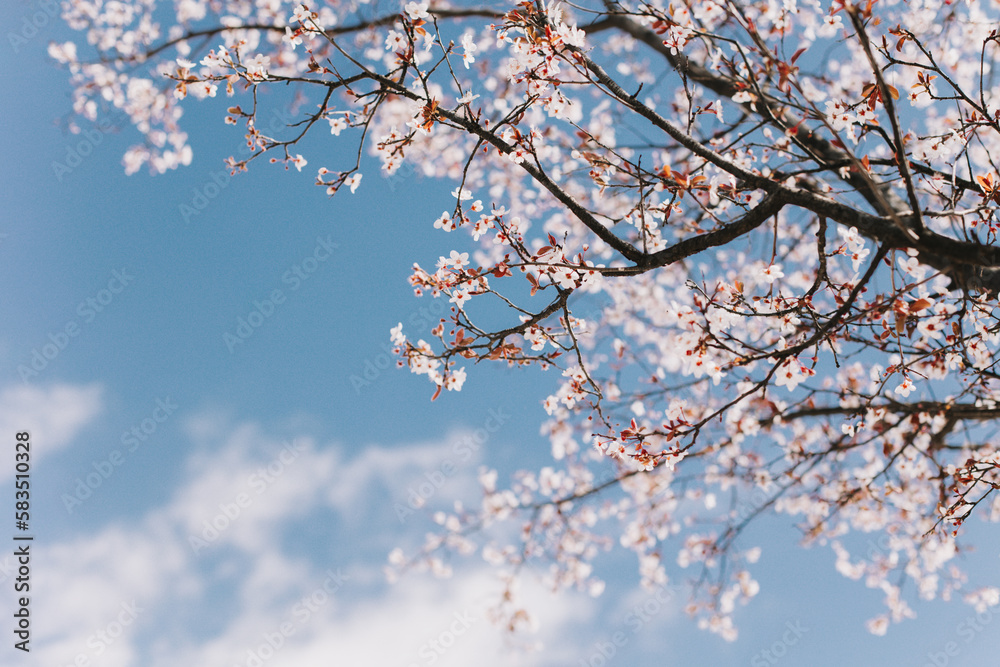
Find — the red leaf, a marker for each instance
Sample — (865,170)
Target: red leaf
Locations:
(533,281)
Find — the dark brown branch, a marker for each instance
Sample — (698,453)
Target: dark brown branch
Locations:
(890,109)
(822,150)
(962,411)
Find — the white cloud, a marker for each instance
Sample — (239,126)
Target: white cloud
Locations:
(417,622)
(53,415)
(213,606)
(448,467)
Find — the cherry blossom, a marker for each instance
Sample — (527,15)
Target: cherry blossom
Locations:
(301,14)
(771,272)
(352,181)
(337,125)
(905,388)
(468,48)
(396,334)
(754,245)
(455,380)
(417,10)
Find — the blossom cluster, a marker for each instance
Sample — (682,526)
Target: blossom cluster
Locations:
(776,281)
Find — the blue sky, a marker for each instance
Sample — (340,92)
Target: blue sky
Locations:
(304,547)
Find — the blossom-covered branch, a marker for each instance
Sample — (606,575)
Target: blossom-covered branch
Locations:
(754,243)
